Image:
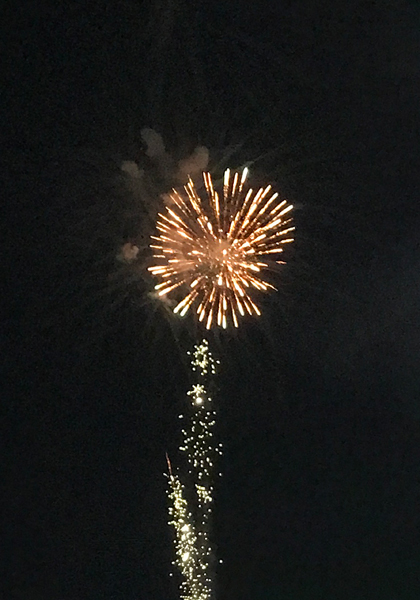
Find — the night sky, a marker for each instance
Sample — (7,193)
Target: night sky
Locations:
(318,400)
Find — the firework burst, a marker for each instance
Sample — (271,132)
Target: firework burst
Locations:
(209,248)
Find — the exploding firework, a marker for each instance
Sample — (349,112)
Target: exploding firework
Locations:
(210,247)
(194,553)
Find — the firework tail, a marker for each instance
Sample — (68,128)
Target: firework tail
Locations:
(191,502)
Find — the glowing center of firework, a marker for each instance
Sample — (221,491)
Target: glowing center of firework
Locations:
(209,247)
(221,260)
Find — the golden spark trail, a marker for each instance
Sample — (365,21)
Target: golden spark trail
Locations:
(191,522)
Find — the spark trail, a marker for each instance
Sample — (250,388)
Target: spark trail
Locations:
(191,518)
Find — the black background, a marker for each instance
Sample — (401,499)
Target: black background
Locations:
(318,401)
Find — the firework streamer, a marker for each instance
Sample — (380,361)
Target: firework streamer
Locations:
(211,253)
(191,518)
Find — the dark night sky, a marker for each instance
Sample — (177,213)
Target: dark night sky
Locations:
(319,402)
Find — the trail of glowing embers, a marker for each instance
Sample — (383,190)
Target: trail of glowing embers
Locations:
(191,519)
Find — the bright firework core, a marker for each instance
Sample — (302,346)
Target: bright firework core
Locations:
(209,248)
